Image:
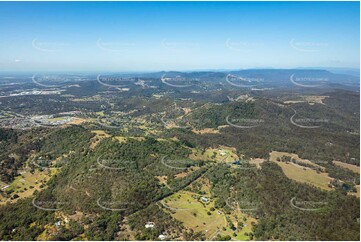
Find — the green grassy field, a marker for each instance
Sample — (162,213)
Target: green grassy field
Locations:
(25,185)
(195,214)
(225,154)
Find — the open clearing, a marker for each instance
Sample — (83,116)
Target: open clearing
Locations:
(77,121)
(205,131)
(300,173)
(351,167)
(276,154)
(193,213)
(357,194)
(257,162)
(99,136)
(123,139)
(189,208)
(223,153)
(25,185)
(312,100)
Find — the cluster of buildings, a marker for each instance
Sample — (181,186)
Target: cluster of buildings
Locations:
(151,225)
(35,92)
(22,122)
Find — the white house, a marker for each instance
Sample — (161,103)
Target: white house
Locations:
(4,187)
(149,225)
(57,224)
(162,237)
(222,152)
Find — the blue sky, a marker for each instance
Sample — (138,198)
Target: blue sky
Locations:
(150,36)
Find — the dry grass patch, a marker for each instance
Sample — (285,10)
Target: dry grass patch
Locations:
(300,173)
(257,162)
(186,172)
(311,100)
(277,154)
(223,153)
(185,207)
(351,167)
(306,175)
(77,121)
(162,179)
(315,99)
(206,131)
(26,184)
(200,216)
(99,136)
(357,194)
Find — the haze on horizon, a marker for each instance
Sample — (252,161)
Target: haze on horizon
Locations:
(148,36)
